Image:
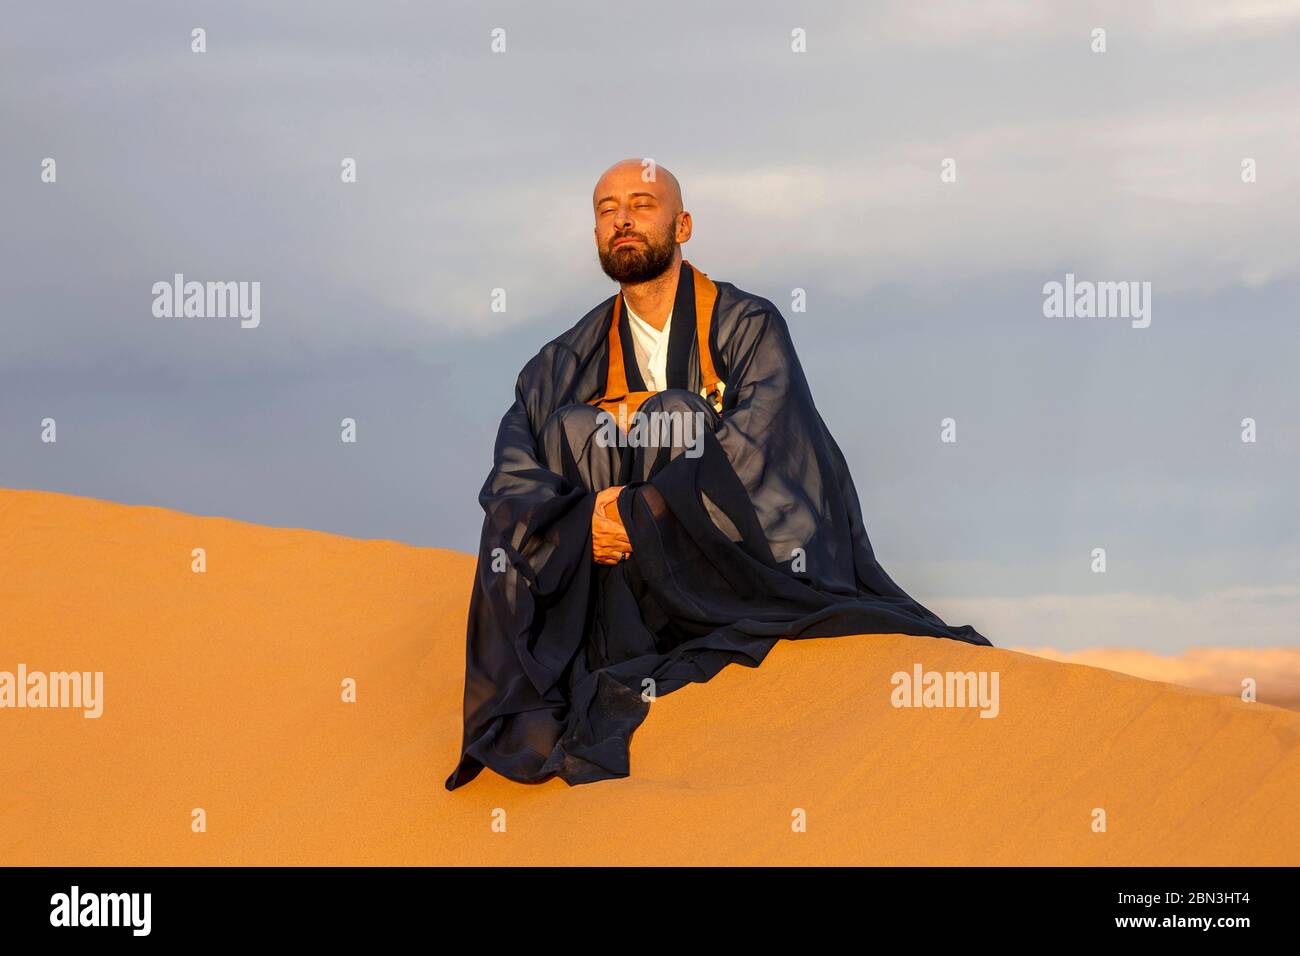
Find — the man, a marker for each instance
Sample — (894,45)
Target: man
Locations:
(665,500)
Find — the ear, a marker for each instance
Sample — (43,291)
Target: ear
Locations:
(684,226)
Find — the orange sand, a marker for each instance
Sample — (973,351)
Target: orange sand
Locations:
(222,691)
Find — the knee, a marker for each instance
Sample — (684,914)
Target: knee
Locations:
(677,419)
(576,421)
(678,400)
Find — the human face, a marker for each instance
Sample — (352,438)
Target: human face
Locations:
(636,230)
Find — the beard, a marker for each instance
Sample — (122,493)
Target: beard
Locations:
(639,263)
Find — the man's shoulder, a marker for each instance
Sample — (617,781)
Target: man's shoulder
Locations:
(575,343)
(736,305)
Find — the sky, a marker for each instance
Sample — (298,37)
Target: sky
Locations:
(816,145)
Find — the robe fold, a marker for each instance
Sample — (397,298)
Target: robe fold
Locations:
(760,537)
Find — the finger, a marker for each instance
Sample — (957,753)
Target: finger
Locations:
(606,530)
(608,508)
(610,546)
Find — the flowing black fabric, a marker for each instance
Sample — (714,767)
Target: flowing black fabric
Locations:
(759,536)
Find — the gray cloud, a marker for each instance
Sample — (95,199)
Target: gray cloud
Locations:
(817,171)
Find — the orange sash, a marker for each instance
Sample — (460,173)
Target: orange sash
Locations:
(620,402)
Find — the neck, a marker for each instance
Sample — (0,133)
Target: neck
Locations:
(653,299)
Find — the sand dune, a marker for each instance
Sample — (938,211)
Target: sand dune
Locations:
(222,692)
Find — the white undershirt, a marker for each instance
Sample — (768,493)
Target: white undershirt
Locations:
(651,346)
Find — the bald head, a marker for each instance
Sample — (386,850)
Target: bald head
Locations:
(633,175)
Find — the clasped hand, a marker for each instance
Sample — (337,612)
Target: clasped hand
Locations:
(609,541)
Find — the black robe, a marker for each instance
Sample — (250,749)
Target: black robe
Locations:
(565,655)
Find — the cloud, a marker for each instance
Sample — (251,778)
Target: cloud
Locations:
(959,23)
(1220,670)
(1235,617)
